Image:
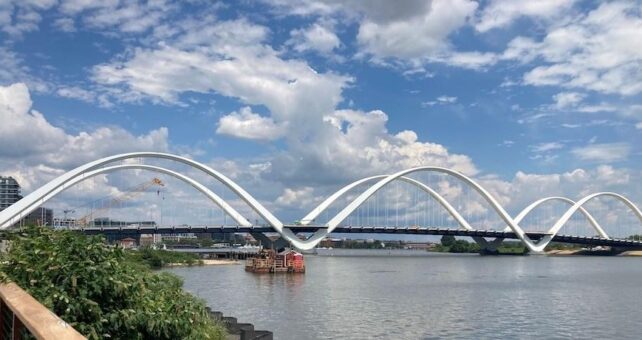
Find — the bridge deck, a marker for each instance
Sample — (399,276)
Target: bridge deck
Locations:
(364,230)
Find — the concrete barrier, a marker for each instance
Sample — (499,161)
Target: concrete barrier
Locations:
(237,330)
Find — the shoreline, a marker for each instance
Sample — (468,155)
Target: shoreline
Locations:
(205,262)
(627,253)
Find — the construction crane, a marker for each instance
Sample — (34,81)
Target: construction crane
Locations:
(115,201)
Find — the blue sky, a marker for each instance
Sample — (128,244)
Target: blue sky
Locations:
(295,98)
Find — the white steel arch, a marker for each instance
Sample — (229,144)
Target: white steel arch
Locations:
(14,213)
(195,184)
(536,247)
(435,195)
(343,214)
(578,205)
(314,213)
(584,212)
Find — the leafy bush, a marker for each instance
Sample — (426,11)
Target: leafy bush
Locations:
(100,292)
(448,240)
(157,258)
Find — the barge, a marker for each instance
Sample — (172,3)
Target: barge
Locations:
(269,261)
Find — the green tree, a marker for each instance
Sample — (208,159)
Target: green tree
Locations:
(460,246)
(448,240)
(99,291)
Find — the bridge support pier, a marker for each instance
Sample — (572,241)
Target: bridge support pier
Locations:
(488,247)
(268,243)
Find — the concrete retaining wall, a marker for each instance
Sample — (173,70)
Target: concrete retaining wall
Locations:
(237,330)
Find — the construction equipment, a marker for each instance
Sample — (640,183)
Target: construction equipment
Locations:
(115,201)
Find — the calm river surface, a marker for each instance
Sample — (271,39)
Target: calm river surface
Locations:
(422,296)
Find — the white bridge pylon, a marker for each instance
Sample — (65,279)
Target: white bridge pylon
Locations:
(19,210)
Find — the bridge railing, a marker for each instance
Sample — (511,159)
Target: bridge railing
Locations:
(23,317)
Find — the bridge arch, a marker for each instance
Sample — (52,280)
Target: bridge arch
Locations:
(434,194)
(15,212)
(578,205)
(195,184)
(584,212)
(343,214)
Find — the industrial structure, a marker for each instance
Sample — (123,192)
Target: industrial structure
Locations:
(534,242)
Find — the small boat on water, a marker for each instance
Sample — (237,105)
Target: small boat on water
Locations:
(269,261)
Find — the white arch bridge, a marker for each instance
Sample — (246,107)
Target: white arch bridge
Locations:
(534,241)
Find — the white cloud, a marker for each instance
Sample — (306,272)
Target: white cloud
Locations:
(298,198)
(314,38)
(544,147)
(418,36)
(249,125)
(405,34)
(23,131)
(127,16)
(228,58)
(75,92)
(447,99)
(231,59)
(443,100)
(65,24)
(13,70)
(21,16)
(596,52)
(501,13)
(606,153)
(565,100)
(352,144)
(470,60)
(638,125)
(31,146)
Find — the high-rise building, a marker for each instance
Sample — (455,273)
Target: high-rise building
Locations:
(9,192)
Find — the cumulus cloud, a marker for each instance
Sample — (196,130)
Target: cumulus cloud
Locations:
(406,34)
(314,38)
(565,100)
(597,52)
(228,58)
(352,144)
(30,145)
(299,198)
(500,13)
(249,125)
(418,36)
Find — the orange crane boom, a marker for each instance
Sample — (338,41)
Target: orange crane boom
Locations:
(134,192)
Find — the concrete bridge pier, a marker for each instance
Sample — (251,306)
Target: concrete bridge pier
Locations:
(488,247)
(278,244)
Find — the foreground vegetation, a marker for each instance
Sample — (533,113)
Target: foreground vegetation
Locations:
(100,291)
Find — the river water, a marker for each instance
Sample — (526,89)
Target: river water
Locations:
(418,295)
